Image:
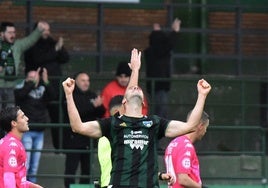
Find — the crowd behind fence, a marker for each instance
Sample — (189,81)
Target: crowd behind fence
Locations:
(238,102)
(235,125)
(213,34)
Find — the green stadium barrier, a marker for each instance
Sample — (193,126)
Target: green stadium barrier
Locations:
(165,186)
(92,186)
(82,186)
(237,186)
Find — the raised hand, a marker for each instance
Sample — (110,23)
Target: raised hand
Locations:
(135,60)
(59,44)
(97,101)
(45,75)
(203,87)
(176,25)
(42,25)
(68,86)
(134,65)
(36,78)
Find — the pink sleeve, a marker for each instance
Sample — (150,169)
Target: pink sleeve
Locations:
(9,180)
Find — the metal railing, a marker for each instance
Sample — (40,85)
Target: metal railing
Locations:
(257,177)
(197,50)
(236,104)
(235,119)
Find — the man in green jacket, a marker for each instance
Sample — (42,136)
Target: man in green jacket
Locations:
(11,51)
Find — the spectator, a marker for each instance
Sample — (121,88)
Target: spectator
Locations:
(90,107)
(133,136)
(50,54)
(181,159)
(118,87)
(158,65)
(32,95)
(12,153)
(11,51)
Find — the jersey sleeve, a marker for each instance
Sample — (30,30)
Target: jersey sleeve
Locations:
(105,125)
(9,179)
(163,124)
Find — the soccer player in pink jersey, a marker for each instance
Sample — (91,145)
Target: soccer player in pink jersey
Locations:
(12,153)
(181,159)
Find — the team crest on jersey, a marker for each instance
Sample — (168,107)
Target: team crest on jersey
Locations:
(147,123)
(12,161)
(186,162)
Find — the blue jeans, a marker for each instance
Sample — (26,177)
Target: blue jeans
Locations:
(33,140)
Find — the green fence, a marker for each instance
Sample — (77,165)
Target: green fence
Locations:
(233,151)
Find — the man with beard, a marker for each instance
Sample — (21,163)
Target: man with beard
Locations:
(11,51)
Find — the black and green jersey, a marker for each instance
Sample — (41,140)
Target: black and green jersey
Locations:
(134,143)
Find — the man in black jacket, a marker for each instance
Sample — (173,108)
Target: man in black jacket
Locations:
(32,95)
(158,65)
(90,107)
(50,54)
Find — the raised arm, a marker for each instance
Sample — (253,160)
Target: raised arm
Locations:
(176,128)
(26,42)
(135,64)
(90,128)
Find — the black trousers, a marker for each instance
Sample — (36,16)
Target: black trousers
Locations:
(71,165)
